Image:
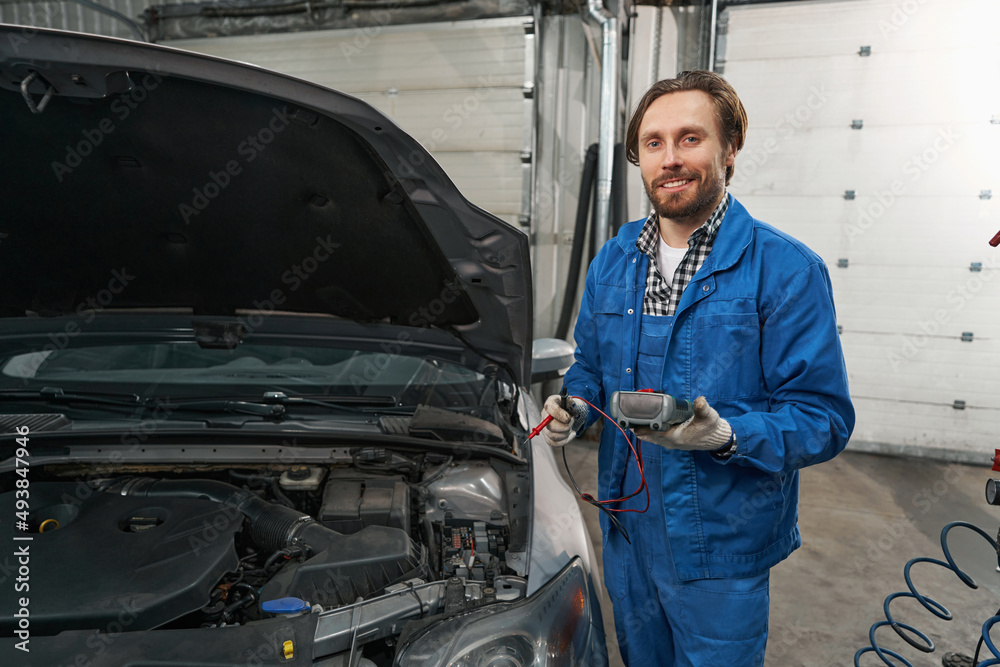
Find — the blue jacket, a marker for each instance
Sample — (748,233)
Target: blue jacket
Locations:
(755,332)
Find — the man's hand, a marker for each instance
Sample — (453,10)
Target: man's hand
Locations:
(565,423)
(704,430)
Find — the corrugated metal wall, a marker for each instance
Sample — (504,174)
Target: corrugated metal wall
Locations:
(897,207)
(456,87)
(74,16)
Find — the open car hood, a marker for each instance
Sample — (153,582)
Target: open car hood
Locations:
(155,178)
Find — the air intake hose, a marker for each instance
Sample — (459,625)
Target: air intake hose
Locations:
(336,569)
(272,526)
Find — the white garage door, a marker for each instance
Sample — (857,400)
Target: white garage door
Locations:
(874,137)
(457,87)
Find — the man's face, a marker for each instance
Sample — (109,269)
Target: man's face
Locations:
(683,156)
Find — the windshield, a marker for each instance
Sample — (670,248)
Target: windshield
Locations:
(185,370)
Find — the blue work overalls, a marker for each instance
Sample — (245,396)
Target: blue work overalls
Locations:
(660,620)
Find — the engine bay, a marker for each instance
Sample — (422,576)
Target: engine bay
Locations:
(399,535)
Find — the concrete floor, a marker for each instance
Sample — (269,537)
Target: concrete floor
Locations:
(862,517)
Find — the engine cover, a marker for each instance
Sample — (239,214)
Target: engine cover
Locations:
(117,561)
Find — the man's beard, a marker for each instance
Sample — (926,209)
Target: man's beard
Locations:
(681,206)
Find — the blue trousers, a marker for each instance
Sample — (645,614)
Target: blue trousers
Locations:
(665,622)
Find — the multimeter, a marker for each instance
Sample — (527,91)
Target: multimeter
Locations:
(645,408)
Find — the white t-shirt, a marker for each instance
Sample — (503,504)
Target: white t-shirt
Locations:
(668,259)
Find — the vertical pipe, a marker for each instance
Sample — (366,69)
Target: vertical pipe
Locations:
(654,51)
(610,62)
(711,35)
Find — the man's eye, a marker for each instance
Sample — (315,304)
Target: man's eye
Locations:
(691,140)
(653,144)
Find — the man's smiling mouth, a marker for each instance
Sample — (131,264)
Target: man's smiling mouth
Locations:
(675,183)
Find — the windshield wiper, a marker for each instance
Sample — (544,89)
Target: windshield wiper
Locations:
(266,410)
(57,395)
(347,403)
(274,405)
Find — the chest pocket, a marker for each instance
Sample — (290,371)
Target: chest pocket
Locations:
(726,357)
(609,302)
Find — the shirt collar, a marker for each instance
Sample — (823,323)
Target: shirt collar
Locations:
(649,236)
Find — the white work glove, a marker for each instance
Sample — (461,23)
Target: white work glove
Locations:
(705,430)
(564,424)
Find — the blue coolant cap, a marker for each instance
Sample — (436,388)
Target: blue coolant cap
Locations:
(285,606)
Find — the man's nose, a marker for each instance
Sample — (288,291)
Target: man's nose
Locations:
(671,157)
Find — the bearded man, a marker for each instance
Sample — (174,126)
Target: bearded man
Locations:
(703,302)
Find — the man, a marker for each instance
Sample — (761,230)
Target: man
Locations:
(703,302)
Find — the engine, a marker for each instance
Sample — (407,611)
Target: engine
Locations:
(242,545)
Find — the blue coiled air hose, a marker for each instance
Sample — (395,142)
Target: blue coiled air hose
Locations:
(908,632)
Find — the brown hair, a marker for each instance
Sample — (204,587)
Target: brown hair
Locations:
(729,111)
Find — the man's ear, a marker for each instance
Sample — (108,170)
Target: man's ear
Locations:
(731,155)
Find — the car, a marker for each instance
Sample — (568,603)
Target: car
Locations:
(263,382)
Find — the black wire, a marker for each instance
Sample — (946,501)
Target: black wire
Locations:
(288,553)
(437,473)
(279,496)
(590,499)
(251,478)
(499,362)
(239,604)
(420,602)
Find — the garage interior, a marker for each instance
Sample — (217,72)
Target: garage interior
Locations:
(874,131)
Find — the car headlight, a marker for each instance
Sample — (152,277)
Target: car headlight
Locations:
(553,627)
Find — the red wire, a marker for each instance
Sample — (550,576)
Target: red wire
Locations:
(638,461)
(636,449)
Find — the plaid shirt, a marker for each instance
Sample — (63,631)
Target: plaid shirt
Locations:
(662,296)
